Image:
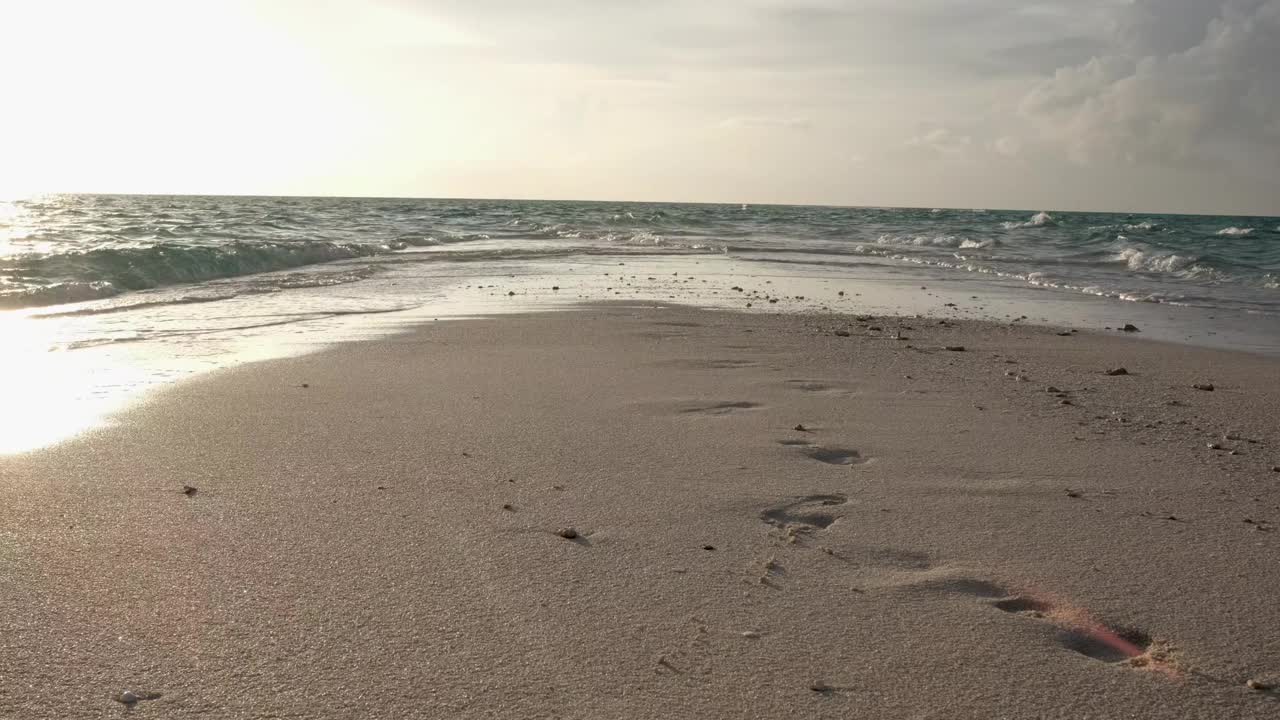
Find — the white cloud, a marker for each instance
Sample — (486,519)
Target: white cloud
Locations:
(1156,104)
(1007,146)
(1214,102)
(941,140)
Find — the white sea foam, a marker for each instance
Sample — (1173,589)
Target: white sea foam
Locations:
(942,241)
(1142,261)
(1040,219)
(1235,231)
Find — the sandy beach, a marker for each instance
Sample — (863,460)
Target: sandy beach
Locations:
(658,512)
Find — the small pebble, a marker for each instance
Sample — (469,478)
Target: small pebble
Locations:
(508,507)
(567,533)
(1130,328)
(130,698)
(1117,371)
(1207,387)
(306,385)
(1073,494)
(1258,685)
(1052,389)
(842,333)
(801,428)
(555,287)
(954,348)
(189,491)
(750,634)
(709,547)
(1215,446)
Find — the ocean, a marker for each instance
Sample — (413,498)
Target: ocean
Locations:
(69,248)
(103,297)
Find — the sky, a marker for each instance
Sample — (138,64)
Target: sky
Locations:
(1125,105)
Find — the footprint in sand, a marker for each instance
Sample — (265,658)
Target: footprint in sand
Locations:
(660,334)
(817,386)
(713,364)
(720,408)
(830,456)
(1076,629)
(835,456)
(1080,633)
(813,511)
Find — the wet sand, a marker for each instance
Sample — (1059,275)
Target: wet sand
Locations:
(767,516)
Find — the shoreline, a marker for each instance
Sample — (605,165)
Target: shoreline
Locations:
(894,528)
(92,365)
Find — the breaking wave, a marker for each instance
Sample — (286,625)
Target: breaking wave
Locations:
(1235,231)
(32,281)
(1139,260)
(1040,219)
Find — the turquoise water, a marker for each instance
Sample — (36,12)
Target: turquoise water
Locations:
(103,298)
(63,249)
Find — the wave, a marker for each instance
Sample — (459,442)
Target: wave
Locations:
(1040,219)
(943,241)
(1144,226)
(56,294)
(1140,260)
(88,312)
(101,273)
(1235,231)
(407,241)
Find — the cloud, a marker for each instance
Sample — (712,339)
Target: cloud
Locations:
(1007,146)
(1161,98)
(941,140)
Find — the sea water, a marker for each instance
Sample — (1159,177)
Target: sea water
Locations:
(103,296)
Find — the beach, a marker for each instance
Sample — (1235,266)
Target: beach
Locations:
(649,511)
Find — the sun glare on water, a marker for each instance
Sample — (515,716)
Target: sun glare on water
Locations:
(51,393)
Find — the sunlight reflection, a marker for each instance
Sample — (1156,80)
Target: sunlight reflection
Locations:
(51,393)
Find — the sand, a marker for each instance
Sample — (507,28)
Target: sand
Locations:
(378,530)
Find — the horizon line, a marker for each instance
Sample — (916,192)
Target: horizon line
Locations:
(638,202)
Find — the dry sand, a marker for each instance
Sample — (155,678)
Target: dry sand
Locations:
(942,540)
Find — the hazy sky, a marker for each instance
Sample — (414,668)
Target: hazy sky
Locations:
(1165,105)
